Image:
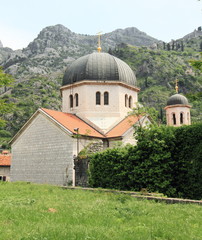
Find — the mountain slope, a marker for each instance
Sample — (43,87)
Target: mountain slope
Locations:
(56,46)
(156,72)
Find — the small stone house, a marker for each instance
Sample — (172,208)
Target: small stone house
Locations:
(5,163)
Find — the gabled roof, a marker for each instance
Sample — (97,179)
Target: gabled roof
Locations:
(72,122)
(122,127)
(5,160)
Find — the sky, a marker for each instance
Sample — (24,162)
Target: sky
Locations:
(22,20)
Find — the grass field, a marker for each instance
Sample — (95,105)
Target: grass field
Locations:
(43,212)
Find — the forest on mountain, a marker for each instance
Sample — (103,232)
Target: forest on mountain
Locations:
(38,71)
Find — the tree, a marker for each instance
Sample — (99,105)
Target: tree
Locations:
(142,113)
(182,46)
(197,64)
(173,45)
(5,80)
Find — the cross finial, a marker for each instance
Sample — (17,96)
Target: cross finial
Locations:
(99,44)
(176,85)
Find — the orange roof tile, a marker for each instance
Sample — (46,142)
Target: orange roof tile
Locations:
(71,122)
(5,160)
(122,127)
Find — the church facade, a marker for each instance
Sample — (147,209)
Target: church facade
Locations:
(98,92)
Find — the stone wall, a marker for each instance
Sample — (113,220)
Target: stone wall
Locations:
(43,153)
(5,171)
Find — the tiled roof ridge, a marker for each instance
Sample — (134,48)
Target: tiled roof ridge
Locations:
(128,116)
(70,114)
(123,126)
(92,126)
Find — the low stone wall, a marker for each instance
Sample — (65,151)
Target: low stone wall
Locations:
(148,196)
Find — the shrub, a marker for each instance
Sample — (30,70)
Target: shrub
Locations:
(188,158)
(165,159)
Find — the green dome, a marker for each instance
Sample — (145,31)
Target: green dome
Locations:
(177,99)
(99,66)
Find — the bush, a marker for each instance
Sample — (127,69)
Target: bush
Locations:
(188,157)
(4,133)
(165,159)
(109,169)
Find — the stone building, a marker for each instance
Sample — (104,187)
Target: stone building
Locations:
(5,163)
(98,91)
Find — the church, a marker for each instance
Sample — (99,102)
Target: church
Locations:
(98,92)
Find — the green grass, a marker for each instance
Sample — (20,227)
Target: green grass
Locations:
(91,215)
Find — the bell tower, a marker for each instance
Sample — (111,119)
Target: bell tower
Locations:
(177,110)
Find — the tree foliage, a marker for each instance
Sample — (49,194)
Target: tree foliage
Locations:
(165,159)
(5,80)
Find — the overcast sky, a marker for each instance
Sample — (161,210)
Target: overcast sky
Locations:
(22,20)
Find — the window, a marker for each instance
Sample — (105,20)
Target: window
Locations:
(106,98)
(130,102)
(76,100)
(71,101)
(98,102)
(126,100)
(174,119)
(3,178)
(181,118)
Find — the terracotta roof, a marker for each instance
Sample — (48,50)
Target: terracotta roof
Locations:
(5,159)
(71,122)
(122,127)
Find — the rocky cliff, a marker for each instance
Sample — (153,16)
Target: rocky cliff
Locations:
(57,46)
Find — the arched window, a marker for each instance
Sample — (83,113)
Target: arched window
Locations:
(71,101)
(181,118)
(126,100)
(76,100)
(106,98)
(98,95)
(130,102)
(174,119)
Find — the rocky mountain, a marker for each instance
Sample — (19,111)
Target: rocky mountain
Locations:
(57,46)
(190,42)
(1,45)
(38,70)
(195,34)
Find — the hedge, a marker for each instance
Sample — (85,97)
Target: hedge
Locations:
(165,159)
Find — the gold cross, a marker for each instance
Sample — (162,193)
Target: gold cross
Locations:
(176,85)
(99,44)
